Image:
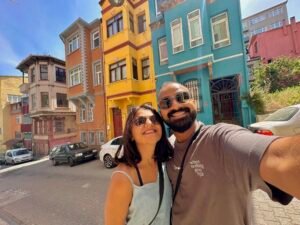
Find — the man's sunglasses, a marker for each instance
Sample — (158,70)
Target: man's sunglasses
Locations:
(180,97)
(141,120)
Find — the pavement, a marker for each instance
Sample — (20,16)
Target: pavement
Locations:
(268,212)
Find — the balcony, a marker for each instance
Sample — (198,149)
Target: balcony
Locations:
(24,88)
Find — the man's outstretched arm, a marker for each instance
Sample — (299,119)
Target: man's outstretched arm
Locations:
(280,165)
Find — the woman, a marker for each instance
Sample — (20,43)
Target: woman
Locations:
(135,190)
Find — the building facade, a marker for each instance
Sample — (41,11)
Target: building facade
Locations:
(265,20)
(26,122)
(200,44)
(128,60)
(84,60)
(283,41)
(9,94)
(53,116)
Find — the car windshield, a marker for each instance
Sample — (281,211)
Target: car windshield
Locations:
(21,152)
(284,114)
(76,146)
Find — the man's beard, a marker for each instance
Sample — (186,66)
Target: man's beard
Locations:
(182,124)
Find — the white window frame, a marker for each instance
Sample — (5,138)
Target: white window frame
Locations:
(198,17)
(97,75)
(73,43)
(82,111)
(95,38)
(90,112)
(157,12)
(90,135)
(162,42)
(195,92)
(101,133)
(227,30)
(173,27)
(75,76)
(82,135)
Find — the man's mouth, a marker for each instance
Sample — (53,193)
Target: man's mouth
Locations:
(179,113)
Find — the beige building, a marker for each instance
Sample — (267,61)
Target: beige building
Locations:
(53,116)
(9,93)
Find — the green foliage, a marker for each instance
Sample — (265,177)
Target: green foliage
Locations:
(281,73)
(255,100)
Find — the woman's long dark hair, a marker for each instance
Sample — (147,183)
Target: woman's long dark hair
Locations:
(131,155)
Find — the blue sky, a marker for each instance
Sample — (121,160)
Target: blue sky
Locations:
(33,26)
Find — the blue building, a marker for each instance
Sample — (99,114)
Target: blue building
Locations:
(199,43)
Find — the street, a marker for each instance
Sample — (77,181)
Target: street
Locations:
(42,194)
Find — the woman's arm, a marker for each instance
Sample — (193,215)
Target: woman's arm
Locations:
(118,199)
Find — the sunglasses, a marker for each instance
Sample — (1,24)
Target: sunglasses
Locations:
(180,97)
(141,120)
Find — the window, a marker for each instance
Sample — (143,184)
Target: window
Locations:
(276,12)
(117,71)
(44,72)
(18,135)
(74,44)
(90,112)
(60,74)
(61,100)
(255,47)
(32,74)
(131,22)
(59,126)
(195,29)
(114,25)
(163,51)
(75,76)
(82,113)
(44,99)
(13,98)
(220,29)
(142,23)
(101,137)
(193,86)
(18,119)
(97,73)
(134,69)
(92,138)
(276,25)
(145,69)
(157,6)
(33,101)
(177,38)
(83,137)
(95,39)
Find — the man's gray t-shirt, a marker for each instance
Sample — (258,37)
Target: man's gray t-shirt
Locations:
(221,170)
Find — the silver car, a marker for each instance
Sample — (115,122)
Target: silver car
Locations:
(283,122)
(108,151)
(18,155)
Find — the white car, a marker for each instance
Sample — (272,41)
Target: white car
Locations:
(283,122)
(18,155)
(108,151)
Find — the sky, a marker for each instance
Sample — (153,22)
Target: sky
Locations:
(33,26)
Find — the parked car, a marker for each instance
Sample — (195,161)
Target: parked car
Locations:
(108,151)
(72,153)
(283,122)
(18,155)
(2,158)
(53,151)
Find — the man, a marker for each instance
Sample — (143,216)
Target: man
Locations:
(223,164)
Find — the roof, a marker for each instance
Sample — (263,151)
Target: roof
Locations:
(31,59)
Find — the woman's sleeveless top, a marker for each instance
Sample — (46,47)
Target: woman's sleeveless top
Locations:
(145,200)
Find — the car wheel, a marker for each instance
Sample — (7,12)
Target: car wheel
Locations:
(13,162)
(71,162)
(54,162)
(108,161)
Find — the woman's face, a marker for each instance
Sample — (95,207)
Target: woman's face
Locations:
(145,128)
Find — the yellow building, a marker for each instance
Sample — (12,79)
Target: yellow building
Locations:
(9,93)
(128,60)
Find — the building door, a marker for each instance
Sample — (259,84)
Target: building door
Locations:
(225,100)
(117,120)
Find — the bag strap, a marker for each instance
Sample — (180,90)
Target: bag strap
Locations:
(178,181)
(161,188)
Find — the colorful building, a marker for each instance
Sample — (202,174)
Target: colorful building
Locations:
(284,41)
(83,50)
(128,60)
(26,122)
(199,43)
(14,130)
(53,116)
(9,94)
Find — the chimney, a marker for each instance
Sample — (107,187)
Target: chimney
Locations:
(293,20)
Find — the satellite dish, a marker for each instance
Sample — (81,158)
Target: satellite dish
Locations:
(116,2)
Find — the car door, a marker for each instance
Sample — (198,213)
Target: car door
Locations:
(8,157)
(60,154)
(115,145)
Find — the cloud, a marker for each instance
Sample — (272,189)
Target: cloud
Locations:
(7,53)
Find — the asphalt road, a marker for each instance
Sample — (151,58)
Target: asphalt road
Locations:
(42,194)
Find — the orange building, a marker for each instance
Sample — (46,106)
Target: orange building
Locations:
(83,52)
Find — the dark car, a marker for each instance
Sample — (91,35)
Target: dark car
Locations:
(73,153)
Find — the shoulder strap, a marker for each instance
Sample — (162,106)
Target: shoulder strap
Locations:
(139,175)
(161,188)
(125,174)
(178,181)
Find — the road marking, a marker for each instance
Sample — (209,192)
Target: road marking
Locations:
(86,185)
(12,195)
(24,165)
